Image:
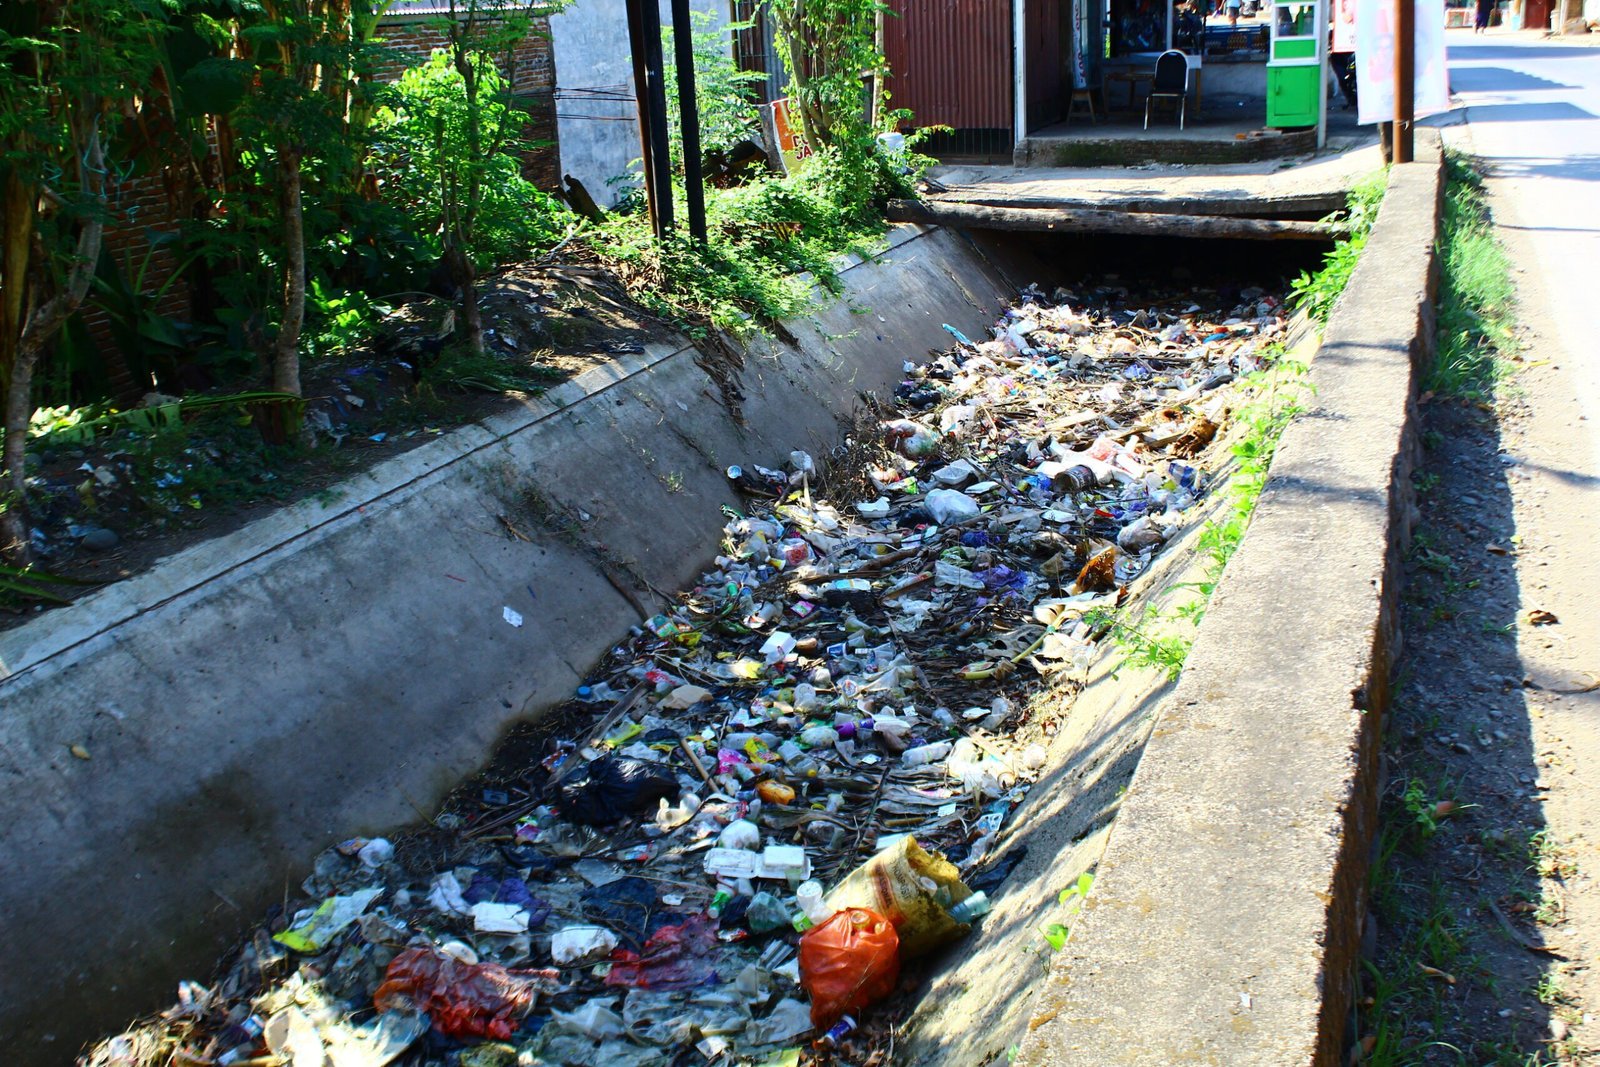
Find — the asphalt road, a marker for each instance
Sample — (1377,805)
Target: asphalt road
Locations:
(1533,108)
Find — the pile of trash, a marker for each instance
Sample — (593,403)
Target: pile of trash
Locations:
(773,796)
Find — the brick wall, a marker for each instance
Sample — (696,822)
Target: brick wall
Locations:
(531,70)
(142,208)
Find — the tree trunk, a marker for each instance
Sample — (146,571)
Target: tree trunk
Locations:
(23,342)
(286,350)
(465,277)
(16,543)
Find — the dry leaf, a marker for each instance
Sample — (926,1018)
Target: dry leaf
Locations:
(79,751)
(1445,807)
(1497,550)
(1541,617)
(1099,574)
(1434,972)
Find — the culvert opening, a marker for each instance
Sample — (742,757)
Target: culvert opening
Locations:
(879,687)
(1228,265)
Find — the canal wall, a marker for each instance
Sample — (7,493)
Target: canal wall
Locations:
(336,667)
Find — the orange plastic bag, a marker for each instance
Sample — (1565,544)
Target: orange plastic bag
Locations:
(848,962)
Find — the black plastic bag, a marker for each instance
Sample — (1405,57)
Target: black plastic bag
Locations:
(612,788)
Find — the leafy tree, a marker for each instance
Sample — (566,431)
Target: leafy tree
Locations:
(726,95)
(68,71)
(829,46)
(421,157)
(470,132)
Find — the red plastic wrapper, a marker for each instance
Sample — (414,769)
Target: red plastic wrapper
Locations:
(675,957)
(848,962)
(483,1000)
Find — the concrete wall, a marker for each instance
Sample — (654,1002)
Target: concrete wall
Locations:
(597,117)
(336,667)
(1225,922)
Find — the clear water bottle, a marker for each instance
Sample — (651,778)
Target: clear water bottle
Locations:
(974,906)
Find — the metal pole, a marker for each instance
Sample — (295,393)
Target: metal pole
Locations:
(641,90)
(655,80)
(1019,71)
(1324,24)
(1405,47)
(689,118)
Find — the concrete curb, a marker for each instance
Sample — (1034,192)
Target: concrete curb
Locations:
(336,669)
(1225,922)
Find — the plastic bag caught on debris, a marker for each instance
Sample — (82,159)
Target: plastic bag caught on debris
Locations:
(611,788)
(847,963)
(675,957)
(581,944)
(629,908)
(950,505)
(313,932)
(911,888)
(463,1000)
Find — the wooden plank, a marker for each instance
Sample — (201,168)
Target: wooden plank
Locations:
(1072,220)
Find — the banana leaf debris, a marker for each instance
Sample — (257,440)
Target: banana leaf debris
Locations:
(848,685)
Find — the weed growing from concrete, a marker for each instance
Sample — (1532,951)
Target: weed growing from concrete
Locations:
(1477,297)
(1317,292)
(1161,640)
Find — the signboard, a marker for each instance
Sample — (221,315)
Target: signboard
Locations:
(791,138)
(1344,26)
(1375,60)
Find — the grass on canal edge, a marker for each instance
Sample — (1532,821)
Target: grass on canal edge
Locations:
(1408,985)
(1161,640)
(1477,297)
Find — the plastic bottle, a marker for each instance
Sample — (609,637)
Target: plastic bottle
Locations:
(925,754)
(718,902)
(819,735)
(766,913)
(808,898)
(975,905)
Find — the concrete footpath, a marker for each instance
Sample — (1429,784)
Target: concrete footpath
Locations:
(1315,186)
(1225,922)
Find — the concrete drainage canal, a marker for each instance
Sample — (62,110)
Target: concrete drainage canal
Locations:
(840,799)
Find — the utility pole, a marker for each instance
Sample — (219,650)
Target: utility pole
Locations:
(644,39)
(1405,61)
(689,118)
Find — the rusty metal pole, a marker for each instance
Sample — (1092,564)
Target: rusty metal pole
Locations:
(1405,62)
(641,90)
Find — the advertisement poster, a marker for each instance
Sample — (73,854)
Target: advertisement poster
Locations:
(1344,26)
(792,145)
(1375,60)
(1080,40)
